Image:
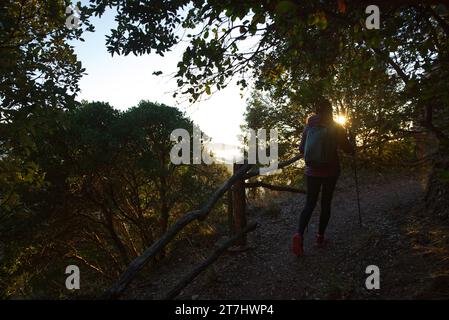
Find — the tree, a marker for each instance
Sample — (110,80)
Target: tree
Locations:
(39,68)
(39,75)
(109,190)
(290,46)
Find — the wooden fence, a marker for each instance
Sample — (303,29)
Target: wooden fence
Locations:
(234,187)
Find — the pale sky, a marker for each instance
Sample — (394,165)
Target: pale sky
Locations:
(125,80)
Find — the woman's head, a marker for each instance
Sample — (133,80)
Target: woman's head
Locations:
(324,109)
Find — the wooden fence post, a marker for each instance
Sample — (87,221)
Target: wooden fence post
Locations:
(239,206)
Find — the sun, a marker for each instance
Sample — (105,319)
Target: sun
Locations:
(341,120)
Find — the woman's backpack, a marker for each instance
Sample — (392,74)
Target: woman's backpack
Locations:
(321,145)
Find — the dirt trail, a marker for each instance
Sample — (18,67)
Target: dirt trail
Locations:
(268,270)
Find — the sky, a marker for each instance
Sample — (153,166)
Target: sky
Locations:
(123,81)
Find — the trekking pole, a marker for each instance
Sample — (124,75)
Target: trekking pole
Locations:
(357,189)
(356,179)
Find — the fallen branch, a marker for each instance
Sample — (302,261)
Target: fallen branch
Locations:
(138,263)
(211,259)
(273,187)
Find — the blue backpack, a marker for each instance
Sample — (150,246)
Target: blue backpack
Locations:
(321,146)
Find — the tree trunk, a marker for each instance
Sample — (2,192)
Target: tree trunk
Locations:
(115,238)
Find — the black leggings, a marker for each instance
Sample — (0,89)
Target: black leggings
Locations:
(313,190)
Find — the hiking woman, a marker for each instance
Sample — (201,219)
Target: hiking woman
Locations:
(320,140)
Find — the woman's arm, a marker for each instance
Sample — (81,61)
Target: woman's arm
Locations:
(343,141)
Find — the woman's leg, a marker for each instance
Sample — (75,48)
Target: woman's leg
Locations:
(313,190)
(326,202)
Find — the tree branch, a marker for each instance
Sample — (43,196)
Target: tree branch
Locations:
(393,64)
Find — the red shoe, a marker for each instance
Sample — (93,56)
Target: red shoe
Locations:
(320,241)
(297,245)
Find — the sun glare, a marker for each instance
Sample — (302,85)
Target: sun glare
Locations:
(341,120)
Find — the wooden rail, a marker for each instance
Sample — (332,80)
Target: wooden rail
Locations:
(138,263)
(238,201)
(203,266)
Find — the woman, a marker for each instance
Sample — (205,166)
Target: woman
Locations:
(320,140)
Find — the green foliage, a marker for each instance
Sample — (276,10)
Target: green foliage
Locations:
(39,69)
(79,183)
(298,50)
(39,75)
(107,191)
